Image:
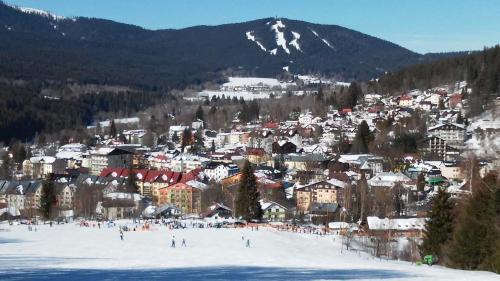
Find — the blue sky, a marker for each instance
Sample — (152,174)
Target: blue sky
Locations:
(419,25)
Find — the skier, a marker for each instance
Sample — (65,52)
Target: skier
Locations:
(121,234)
(242,237)
(248,243)
(183,242)
(173,243)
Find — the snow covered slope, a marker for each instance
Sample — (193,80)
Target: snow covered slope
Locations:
(69,252)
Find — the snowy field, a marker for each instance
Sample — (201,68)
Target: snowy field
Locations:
(70,252)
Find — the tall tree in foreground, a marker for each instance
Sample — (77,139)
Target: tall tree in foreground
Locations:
(475,240)
(439,226)
(247,201)
(48,199)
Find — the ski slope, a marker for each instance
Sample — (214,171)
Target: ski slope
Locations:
(70,252)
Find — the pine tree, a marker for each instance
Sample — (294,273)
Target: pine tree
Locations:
(212,148)
(247,201)
(200,115)
(132,186)
(5,169)
(362,198)
(48,199)
(112,129)
(439,226)
(175,138)
(362,139)
(199,145)
(476,235)
(187,138)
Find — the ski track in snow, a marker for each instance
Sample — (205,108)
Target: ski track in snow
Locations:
(70,252)
(295,41)
(322,39)
(251,37)
(280,36)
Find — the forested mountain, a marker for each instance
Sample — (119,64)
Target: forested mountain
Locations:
(24,112)
(480,69)
(37,45)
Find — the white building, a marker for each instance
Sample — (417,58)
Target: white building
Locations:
(218,171)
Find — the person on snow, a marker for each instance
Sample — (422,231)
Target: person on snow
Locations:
(173,243)
(121,234)
(242,237)
(248,243)
(183,242)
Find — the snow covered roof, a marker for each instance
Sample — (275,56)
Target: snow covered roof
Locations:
(388,179)
(45,159)
(375,223)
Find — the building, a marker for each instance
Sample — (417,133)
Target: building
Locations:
(187,162)
(232,138)
(218,171)
(330,191)
(272,211)
(435,148)
(183,196)
(388,180)
(405,101)
(142,137)
(452,133)
(176,130)
(40,166)
(103,158)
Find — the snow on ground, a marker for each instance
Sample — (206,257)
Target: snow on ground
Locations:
(238,94)
(323,39)
(251,37)
(280,36)
(39,12)
(70,252)
(254,81)
(295,41)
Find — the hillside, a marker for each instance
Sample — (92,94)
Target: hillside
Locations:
(481,70)
(211,254)
(42,46)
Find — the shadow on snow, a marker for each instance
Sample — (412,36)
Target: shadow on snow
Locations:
(199,273)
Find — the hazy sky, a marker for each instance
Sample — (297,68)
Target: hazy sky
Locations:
(419,25)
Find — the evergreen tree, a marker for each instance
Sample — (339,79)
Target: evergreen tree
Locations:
(5,169)
(112,129)
(131,185)
(187,138)
(175,138)
(397,197)
(362,139)
(48,199)
(247,201)
(212,148)
(354,93)
(200,115)
(199,145)
(439,226)
(320,96)
(475,240)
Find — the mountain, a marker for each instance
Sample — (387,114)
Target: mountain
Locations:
(42,46)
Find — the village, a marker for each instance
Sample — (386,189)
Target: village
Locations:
(304,176)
